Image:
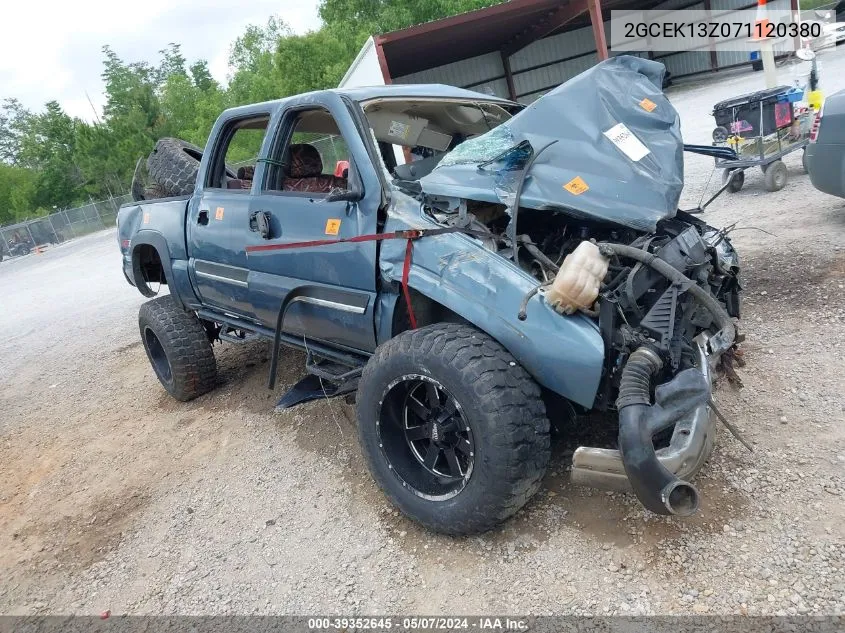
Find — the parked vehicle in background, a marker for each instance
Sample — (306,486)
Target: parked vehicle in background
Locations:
(836,29)
(528,263)
(825,154)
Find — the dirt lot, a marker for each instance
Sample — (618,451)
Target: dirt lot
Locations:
(113,496)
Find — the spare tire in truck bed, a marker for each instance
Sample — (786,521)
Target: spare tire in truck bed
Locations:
(174,165)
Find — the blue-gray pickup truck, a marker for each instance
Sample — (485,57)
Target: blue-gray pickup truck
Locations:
(465,268)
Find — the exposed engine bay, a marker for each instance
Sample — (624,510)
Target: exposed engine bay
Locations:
(635,304)
(665,321)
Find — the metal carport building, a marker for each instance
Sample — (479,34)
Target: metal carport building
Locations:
(523,48)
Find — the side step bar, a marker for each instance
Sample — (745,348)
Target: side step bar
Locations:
(325,379)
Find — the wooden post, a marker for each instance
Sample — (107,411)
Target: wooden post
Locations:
(598,28)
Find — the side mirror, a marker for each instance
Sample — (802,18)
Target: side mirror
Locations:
(354,191)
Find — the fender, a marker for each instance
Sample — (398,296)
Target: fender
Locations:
(175,271)
(563,353)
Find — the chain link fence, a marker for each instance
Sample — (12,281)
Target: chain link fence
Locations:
(61,226)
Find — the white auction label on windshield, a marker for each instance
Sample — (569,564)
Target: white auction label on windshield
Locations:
(627,143)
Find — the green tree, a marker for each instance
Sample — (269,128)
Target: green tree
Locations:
(47,146)
(17,189)
(13,117)
(49,159)
(381,16)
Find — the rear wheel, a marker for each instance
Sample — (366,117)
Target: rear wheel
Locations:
(178,348)
(775,176)
(720,134)
(452,427)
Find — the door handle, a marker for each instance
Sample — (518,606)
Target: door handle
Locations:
(259,222)
(202,218)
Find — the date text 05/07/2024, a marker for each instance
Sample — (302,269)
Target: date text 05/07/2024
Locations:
(417,623)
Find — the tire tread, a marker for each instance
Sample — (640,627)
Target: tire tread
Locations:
(507,401)
(186,344)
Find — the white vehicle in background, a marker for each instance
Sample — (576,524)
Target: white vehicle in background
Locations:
(827,39)
(836,30)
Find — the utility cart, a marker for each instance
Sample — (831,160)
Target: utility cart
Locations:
(761,127)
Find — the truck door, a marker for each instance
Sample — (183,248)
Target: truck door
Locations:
(219,213)
(326,293)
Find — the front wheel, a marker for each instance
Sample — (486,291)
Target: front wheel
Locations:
(178,348)
(452,427)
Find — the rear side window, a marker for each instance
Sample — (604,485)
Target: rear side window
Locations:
(235,158)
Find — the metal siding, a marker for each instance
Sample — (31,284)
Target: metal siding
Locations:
(731,58)
(496,88)
(460,73)
(579,43)
(686,63)
(550,49)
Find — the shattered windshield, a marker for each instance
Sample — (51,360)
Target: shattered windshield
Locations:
(606,144)
(487,148)
(414,135)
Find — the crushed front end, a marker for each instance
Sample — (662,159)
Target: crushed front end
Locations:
(580,190)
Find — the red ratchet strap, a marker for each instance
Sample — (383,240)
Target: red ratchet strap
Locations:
(410,235)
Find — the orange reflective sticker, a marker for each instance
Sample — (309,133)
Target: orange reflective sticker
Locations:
(218,214)
(648,105)
(146,217)
(332,226)
(576,186)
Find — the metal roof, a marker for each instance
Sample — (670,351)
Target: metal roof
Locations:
(461,36)
(505,27)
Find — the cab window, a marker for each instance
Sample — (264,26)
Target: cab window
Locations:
(314,159)
(234,165)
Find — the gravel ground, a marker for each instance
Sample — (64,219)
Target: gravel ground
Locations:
(114,496)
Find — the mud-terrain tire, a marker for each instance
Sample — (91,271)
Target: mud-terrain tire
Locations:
(154,191)
(499,435)
(138,181)
(174,164)
(178,348)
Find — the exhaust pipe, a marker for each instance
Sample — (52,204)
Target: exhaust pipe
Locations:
(657,488)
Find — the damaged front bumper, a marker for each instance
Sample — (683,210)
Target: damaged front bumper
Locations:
(691,444)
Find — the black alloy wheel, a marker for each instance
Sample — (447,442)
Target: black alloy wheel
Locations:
(425,438)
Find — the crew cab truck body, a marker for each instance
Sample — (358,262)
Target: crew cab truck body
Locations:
(453,413)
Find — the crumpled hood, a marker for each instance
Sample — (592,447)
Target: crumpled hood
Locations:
(616,152)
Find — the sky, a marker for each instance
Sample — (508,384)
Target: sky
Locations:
(52,49)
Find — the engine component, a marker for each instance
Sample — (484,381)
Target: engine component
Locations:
(657,488)
(726,337)
(578,281)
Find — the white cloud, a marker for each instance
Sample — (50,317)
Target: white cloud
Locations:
(52,49)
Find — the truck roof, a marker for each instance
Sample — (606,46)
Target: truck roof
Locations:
(366,93)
